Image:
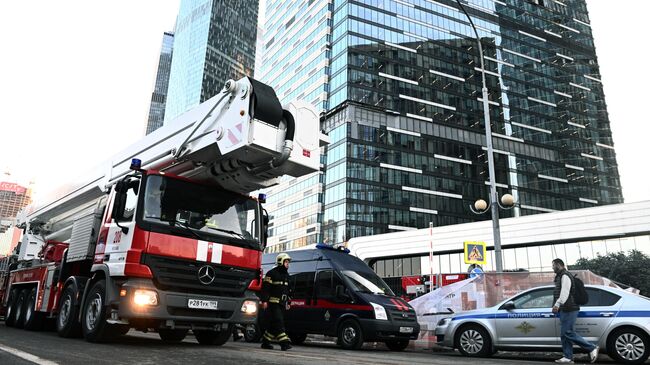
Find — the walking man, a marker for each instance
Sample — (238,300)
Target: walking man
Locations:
(568,311)
(275,300)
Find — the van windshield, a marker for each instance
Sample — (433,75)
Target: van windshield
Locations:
(366,282)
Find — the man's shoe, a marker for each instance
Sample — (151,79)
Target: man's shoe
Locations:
(267,346)
(284,346)
(593,355)
(564,360)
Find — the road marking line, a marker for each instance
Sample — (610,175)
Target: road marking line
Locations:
(27,356)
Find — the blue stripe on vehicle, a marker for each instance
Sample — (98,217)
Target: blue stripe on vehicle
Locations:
(585,314)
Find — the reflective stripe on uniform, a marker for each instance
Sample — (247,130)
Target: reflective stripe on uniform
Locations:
(269,336)
(282,337)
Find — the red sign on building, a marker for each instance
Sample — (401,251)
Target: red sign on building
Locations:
(13,187)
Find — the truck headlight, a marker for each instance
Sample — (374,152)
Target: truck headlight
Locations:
(249,307)
(380,311)
(145,297)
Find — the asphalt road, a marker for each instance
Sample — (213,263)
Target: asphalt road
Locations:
(21,347)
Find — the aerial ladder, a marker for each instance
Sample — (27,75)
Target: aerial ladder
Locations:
(164,236)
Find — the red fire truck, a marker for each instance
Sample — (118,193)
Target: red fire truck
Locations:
(164,236)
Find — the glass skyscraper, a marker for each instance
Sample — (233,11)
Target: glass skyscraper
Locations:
(159,95)
(214,41)
(405,117)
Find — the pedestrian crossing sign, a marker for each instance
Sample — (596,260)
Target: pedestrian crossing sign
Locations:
(475,252)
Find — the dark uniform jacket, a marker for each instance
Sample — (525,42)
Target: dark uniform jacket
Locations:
(275,287)
(570,304)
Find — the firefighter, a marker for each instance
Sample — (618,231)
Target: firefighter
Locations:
(275,300)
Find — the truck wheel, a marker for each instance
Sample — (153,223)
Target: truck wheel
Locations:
(10,316)
(350,336)
(628,346)
(171,336)
(297,338)
(397,345)
(33,318)
(94,315)
(67,324)
(209,337)
(20,309)
(474,341)
(252,333)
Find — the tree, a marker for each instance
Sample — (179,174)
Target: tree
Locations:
(631,269)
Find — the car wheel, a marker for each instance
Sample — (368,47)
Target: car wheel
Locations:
(628,346)
(209,337)
(350,336)
(297,338)
(397,345)
(10,316)
(67,323)
(171,336)
(473,341)
(94,315)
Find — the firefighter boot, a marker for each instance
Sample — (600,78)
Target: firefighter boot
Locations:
(284,346)
(267,345)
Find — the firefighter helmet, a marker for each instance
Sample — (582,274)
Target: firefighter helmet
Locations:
(282,258)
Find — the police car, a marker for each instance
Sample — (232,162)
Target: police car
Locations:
(616,320)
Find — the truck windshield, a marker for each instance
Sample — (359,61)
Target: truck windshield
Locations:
(199,211)
(367,282)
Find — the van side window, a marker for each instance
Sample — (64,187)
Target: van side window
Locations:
(326,283)
(302,285)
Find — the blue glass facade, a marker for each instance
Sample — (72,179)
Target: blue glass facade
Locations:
(405,113)
(159,95)
(214,42)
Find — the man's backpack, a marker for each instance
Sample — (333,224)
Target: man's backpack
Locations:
(580,295)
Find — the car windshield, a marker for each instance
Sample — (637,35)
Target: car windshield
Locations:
(367,282)
(200,211)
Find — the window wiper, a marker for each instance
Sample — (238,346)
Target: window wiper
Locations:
(177,224)
(229,232)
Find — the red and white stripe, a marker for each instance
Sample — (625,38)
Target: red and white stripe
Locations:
(209,252)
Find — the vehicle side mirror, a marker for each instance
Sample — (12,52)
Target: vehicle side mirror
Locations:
(118,207)
(509,306)
(340,292)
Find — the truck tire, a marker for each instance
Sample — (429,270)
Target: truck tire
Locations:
(33,318)
(67,323)
(94,315)
(397,345)
(297,338)
(172,336)
(20,309)
(350,335)
(209,337)
(252,333)
(10,316)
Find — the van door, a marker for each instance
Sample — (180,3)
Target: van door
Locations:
(328,308)
(300,317)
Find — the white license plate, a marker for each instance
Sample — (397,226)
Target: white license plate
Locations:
(406,330)
(202,304)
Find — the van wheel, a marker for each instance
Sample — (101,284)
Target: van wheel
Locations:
(67,323)
(209,337)
(297,338)
(33,318)
(628,346)
(473,341)
(20,309)
(252,333)
(397,345)
(94,315)
(10,316)
(171,336)
(350,336)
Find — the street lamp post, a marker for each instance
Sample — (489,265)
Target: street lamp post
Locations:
(490,153)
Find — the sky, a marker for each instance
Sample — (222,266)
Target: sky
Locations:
(76,78)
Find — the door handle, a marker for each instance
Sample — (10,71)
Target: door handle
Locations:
(547,315)
(607,314)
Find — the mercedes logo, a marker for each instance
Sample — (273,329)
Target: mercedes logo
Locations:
(206,274)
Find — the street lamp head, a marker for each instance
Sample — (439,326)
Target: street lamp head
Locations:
(507,200)
(480,205)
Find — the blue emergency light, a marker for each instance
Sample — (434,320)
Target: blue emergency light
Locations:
(136,164)
(262,198)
